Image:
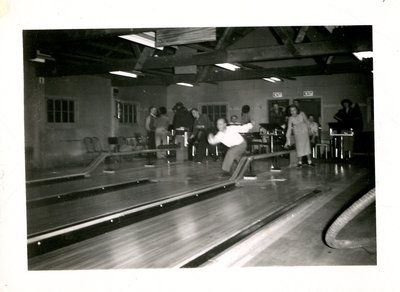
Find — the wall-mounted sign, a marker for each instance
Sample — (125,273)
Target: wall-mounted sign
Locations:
(308,93)
(277,94)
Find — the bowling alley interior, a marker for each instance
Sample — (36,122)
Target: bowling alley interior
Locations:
(196,147)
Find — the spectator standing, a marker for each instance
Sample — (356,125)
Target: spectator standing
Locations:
(202,126)
(161,130)
(150,128)
(299,124)
(245,117)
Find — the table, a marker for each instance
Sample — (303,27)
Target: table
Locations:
(338,146)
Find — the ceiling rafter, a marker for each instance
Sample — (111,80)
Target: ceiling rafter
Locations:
(306,50)
(135,49)
(240,35)
(200,47)
(293,71)
(301,34)
(89,52)
(285,36)
(325,48)
(147,52)
(110,48)
(315,34)
(44,37)
(221,44)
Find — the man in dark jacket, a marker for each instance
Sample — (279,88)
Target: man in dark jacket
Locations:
(183,121)
(350,117)
(202,126)
(182,117)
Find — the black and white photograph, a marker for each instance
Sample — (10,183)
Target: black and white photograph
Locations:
(195,147)
(210,146)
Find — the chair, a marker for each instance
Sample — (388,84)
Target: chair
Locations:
(97,145)
(319,149)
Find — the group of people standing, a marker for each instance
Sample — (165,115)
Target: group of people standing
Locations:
(201,130)
(157,125)
(305,130)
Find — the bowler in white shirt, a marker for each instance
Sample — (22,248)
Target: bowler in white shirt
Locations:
(230,137)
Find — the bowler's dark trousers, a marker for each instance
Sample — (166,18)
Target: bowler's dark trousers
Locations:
(234,153)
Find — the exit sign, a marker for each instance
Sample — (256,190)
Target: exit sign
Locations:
(277,94)
(308,93)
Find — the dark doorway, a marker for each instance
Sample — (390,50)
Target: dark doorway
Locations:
(311,106)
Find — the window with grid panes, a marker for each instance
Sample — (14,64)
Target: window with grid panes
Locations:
(128,114)
(214,111)
(60,111)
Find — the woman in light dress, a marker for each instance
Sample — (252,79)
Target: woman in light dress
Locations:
(299,123)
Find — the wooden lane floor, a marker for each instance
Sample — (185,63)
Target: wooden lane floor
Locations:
(170,239)
(167,181)
(161,169)
(50,173)
(303,245)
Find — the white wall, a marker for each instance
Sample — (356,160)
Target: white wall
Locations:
(144,96)
(331,88)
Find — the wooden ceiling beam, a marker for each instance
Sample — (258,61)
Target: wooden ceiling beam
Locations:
(136,49)
(110,48)
(301,34)
(157,73)
(286,72)
(286,37)
(251,66)
(306,50)
(86,57)
(241,36)
(146,53)
(317,34)
(221,44)
(200,47)
(276,36)
(64,36)
(180,36)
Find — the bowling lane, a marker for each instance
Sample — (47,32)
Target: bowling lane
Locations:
(161,169)
(170,239)
(168,181)
(304,244)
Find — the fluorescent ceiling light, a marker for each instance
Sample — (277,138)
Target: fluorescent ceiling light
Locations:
(276,79)
(41,58)
(38,59)
(363,55)
(123,73)
(228,66)
(144,38)
(185,84)
(269,79)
